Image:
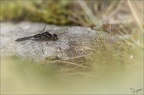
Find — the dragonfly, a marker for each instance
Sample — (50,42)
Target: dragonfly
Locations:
(45,36)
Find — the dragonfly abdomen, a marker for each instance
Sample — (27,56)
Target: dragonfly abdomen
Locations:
(22,39)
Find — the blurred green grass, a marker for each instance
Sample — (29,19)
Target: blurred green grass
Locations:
(48,11)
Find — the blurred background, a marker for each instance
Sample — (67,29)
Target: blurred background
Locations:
(68,12)
(108,72)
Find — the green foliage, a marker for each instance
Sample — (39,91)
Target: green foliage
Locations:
(53,12)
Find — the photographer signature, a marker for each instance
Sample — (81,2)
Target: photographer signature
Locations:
(135,91)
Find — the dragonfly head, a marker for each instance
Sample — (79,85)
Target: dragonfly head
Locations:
(55,37)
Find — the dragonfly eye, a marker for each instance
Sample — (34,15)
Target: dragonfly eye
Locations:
(55,37)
